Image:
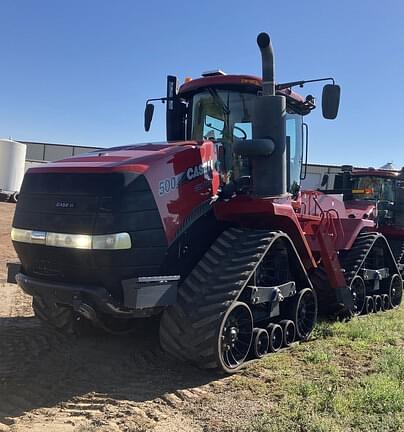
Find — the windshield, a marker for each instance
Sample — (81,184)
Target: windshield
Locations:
(225,116)
(221,115)
(373,188)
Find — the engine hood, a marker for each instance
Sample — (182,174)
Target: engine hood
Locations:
(136,158)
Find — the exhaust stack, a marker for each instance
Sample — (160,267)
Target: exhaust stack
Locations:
(268,64)
(269,171)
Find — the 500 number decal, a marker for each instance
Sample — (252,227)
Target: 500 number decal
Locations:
(169,184)
(205,169)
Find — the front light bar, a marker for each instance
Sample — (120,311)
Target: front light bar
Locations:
(117,241)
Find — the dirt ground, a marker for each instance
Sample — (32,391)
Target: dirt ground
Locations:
(49,381)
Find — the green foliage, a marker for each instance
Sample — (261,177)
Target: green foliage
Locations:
(350,377)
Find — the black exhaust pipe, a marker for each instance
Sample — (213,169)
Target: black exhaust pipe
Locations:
(268,64)
(269,172)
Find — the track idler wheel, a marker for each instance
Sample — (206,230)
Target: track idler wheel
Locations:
(302,310)
(358,291)
(385,302)
(377,299)
(260,345)
(275,337)
(235,336)
(369,305)
(395,291)
(289,332)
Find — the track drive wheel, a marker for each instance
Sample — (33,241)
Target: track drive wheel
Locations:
(396,291)
(302,310)
(358,291)
(62,318)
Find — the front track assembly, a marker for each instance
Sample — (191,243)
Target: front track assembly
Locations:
(248,296)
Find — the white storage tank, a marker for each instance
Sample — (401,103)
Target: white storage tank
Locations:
(12,165)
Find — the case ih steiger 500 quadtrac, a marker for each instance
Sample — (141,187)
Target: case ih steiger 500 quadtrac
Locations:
(377,194)
(207,230)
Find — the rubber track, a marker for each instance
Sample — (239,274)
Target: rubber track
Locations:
(397,247)
(189,329)
(354,259)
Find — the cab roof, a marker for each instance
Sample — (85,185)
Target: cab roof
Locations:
(373,172)
(246,83)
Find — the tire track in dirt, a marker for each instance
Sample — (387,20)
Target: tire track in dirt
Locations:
(49,381)
(98,378)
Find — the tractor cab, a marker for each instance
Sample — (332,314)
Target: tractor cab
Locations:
(374,185)
(220,108)
(383,187)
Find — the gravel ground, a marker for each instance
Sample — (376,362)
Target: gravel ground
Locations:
(49,381)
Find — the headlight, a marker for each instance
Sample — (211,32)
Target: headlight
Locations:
(74,241)
(117,241)
(112,241)
(20,235)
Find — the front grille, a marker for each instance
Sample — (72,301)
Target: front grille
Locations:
(90,204)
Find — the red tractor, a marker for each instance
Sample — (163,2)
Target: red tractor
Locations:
(207,231)
(378,194)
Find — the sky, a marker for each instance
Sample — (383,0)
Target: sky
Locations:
(80,71)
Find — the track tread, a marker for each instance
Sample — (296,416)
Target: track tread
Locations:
(188,330)
(351,262)
(355,258)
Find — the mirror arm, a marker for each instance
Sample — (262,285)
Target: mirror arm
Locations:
(301,83)
(162,100)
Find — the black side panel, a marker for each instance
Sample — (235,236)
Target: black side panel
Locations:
(192,242)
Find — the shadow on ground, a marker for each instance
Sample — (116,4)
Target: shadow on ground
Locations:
(40,367)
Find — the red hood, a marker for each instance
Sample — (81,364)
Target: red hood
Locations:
(136,158)
(361,209)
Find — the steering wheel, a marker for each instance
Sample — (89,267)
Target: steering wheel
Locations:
(242,131)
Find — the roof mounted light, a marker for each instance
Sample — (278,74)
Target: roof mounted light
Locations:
(215,72)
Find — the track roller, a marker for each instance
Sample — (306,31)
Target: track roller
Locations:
(369,305)
(275,337)
(385,302)
(395,291)
(358,291)
(377,300)
(289,332)
(260,345)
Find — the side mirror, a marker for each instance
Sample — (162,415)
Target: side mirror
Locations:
(330,101)
(148,116)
